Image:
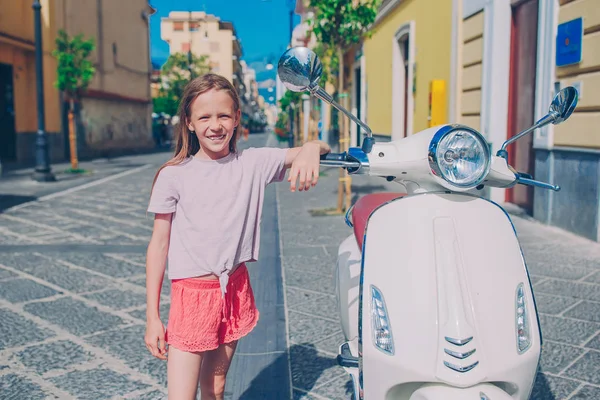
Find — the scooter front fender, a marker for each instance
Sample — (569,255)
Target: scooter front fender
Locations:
(442,392)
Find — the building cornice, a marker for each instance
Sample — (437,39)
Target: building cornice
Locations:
(103,95)
(385,11)
(17,41)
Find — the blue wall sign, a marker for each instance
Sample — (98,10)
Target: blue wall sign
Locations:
(569,42)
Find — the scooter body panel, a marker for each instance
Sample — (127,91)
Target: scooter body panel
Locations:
(347,285)
(448,266)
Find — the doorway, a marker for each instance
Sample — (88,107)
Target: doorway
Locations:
(8,134)
(521,97)
(404,51)
(402,81)
(358,103)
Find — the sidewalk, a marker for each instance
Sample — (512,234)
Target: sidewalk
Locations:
(17,187)
(564,268)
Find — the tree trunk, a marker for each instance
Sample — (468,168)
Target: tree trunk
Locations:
(73,136)
(348,180)
(344,180)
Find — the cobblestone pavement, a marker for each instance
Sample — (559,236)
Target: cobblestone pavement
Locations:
(72,294)
(565,272)
(16,186)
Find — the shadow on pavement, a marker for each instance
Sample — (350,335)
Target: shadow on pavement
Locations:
(542,388)
(9,200)
(307,366)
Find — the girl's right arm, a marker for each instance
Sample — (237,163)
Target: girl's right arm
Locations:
(156,258)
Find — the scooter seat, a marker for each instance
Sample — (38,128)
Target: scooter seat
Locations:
(363,209)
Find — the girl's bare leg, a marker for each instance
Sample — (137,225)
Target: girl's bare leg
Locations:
(214,371)
(183,370)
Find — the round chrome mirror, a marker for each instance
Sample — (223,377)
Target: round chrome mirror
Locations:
(299,69)
(563,104)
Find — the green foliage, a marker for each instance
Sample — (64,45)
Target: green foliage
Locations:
(165,104)
(175,74)
(340,23)
(282,121)
(329,60)
(288,99)
(78,171)
(75,71)
(337,24)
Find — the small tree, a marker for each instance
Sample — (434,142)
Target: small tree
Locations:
(74,73)
(175,74)
(338,24)
(288,101)
(281,126)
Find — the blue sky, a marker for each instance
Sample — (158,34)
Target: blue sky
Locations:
(262,26)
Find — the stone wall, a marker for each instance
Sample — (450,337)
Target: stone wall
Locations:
(575,207)
(26,147)
(113,127)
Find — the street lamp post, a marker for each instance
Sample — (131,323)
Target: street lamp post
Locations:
(42,171)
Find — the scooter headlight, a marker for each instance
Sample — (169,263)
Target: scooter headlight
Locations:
(380,323)
(459,155)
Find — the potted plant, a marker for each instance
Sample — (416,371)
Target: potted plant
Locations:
(281,125)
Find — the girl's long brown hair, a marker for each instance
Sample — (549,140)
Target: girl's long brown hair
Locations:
(187,143)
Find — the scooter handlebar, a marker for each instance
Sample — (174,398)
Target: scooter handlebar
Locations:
(333,157)
(340,160)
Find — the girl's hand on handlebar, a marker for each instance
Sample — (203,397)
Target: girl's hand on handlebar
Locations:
(305,165)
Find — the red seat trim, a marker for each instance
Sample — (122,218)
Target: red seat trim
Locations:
(364,207)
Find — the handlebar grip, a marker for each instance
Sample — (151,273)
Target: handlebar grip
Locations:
(333,157)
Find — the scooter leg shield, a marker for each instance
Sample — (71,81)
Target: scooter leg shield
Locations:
(443,298)
(443,392)
(347,280)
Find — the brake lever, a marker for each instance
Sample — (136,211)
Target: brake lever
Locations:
(526,179)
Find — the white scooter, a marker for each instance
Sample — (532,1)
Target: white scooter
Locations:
(434,295)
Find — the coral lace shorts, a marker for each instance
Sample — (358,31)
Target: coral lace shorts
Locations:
(200,319)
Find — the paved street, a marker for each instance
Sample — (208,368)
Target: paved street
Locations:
(72,301)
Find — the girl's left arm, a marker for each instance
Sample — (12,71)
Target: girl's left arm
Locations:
(304,164)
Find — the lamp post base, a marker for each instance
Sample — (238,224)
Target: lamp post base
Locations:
(43,176)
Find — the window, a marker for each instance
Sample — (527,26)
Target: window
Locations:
(194,26)
(178,26)
(214,47)
(185,47)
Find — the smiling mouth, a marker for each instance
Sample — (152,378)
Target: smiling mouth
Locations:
(216,138)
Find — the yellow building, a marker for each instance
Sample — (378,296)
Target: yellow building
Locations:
(115,111)
(205,35)
(508,57)
(391,76)
(388,76)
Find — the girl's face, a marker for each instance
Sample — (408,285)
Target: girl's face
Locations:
(213,120)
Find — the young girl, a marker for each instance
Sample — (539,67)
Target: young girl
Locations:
(207,202)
